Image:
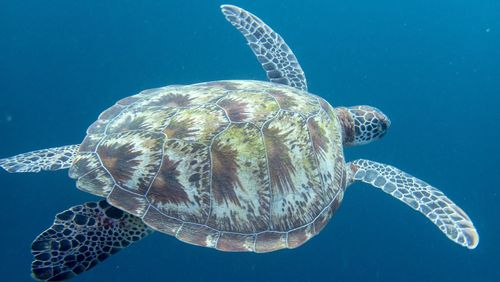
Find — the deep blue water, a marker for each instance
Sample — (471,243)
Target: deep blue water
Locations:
(432,66)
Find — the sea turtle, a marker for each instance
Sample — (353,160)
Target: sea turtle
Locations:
(232,165)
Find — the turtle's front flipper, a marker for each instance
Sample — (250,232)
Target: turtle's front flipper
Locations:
(271,50)
(81,237)
(421,196)
(46,159)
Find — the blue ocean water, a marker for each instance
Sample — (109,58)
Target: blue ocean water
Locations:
(432,66)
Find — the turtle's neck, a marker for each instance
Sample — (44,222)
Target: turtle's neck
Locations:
(347,124)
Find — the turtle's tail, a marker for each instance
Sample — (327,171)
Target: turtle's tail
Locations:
(46,159)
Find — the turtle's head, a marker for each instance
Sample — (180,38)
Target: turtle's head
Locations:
(362,124)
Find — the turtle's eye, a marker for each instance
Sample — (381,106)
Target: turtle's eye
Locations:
(383,122)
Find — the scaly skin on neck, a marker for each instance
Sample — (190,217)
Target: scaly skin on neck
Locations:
(347,124)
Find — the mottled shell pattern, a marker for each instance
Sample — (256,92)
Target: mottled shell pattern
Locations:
(233,165)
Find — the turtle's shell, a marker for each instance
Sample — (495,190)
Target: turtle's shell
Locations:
(234,165)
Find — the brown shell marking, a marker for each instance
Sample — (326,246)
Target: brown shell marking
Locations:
(297,194)
(132,158)
(151,119)
(175,100)
(204,93)
(225,177)
(254,107)
(120,160)
(281,168)
(84,163)
(182,187)
(178,96)
(326,141)
(199,124)
(166,187)
(286,102)
(318,137)
(236,110)
(240,183)
(181,128)
(167,98)
(91,177)
(294,100)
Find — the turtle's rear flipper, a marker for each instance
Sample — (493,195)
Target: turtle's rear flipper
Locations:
(46,159)
(421,196)
(81,237)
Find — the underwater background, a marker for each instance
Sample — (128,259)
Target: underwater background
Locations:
(432,66)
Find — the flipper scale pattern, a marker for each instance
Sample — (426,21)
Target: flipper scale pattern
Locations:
(46,159)
(419,195)
(276,58)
